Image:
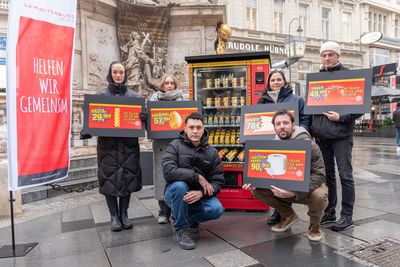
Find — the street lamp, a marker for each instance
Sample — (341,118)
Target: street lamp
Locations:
(295,44)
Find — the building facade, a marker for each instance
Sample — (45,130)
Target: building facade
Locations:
(263,25)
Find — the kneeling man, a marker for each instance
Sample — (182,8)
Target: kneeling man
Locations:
(316,198)
(194,175)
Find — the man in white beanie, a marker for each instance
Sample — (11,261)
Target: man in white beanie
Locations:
(333,133)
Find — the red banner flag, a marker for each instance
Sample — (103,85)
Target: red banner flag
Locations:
(40,51)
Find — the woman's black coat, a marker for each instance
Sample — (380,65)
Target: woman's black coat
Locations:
(119,171)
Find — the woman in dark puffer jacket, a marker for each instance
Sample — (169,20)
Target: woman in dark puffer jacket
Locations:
(119,171)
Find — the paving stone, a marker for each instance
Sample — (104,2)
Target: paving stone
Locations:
(336,240)
(146,192)
(142,230)
(77,214)
(37,228)
(297,250)
(192,263)
(96,258)
(374,230)
(235,258)
(253,231)
(384,203)
(235,216)
(150,204)
(165,251)
(58,245)
(77,225)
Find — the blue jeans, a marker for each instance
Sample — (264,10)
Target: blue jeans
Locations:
(200,211)
(398,137)
(341,150)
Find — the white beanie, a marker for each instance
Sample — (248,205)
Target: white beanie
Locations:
(332,46)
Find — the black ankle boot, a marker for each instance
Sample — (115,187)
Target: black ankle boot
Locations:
(115,222)
(275,218)
(123,209)
(113,208)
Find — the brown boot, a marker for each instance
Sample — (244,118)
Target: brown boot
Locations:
(285,223)
(314,233)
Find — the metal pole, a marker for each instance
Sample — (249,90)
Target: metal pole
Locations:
(12,222)
(290,63)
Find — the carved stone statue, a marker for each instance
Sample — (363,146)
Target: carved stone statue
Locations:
(134,53)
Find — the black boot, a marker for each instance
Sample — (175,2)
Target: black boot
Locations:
(275,218)
(113,208)
(123,209)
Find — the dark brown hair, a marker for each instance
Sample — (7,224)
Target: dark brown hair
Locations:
(268,88)
(280,112)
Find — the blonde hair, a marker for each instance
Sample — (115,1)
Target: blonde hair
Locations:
(164,77)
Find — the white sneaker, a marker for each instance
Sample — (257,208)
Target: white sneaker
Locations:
(162,220)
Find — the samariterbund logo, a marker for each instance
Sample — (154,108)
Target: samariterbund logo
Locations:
(63,16)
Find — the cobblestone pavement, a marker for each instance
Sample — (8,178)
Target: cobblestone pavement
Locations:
(73,229)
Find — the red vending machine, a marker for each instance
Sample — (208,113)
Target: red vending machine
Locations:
(225,83)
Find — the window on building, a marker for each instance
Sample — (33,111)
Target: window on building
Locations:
(378,56)
(396,28)
(397,57)
(384,25)
(379,22)
(226,4)
(303,69)
(251,14)
(346,27)
(325,24)
(278,16)
(374,22)
(303,17)
(370,21)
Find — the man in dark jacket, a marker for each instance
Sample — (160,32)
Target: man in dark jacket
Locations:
(316,198)
(334,135)
(396,120)
(194,176)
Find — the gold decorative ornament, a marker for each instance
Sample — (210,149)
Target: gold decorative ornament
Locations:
(224,33)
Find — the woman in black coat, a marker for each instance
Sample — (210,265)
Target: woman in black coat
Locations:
(119,171)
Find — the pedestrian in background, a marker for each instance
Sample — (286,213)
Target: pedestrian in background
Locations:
(396,120)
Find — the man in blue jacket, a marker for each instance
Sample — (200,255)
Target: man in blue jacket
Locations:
(333,133)
(194,176)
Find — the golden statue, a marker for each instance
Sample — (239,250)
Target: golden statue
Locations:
(224,33)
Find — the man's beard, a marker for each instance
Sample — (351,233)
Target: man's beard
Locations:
(288,135)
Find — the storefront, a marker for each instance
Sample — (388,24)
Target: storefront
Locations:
(309,64)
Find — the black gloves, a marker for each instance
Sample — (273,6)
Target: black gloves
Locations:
(144,116)
(85,135)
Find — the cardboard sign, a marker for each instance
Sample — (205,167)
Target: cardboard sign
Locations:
(281,163)
(167,118)
(256,121)
(113,116)
(339,91)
